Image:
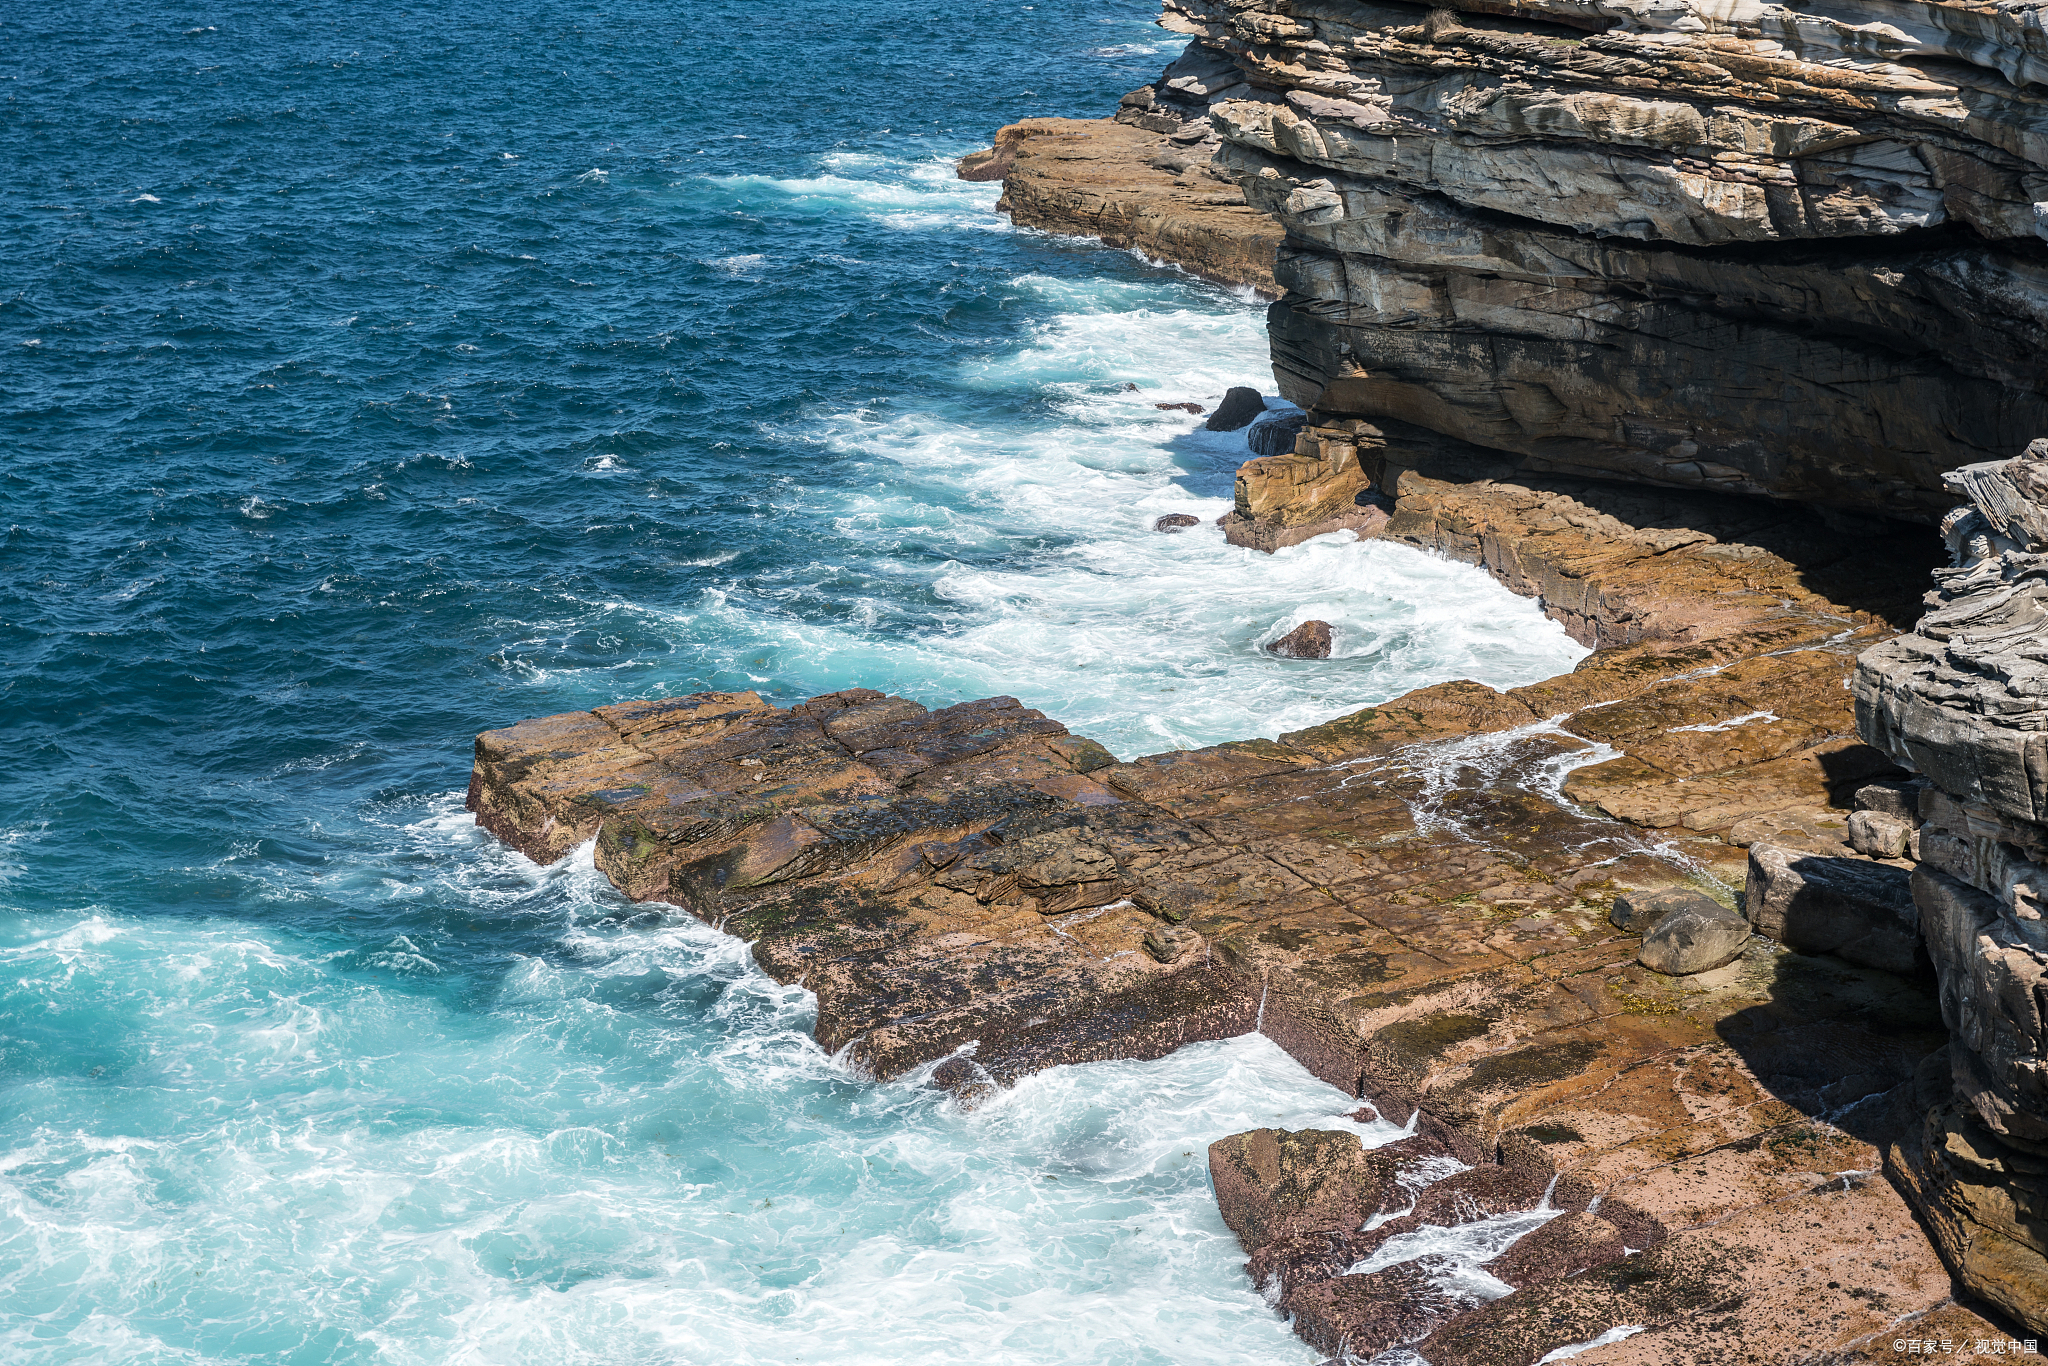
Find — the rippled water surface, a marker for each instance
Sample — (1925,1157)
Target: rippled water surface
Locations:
(376,375)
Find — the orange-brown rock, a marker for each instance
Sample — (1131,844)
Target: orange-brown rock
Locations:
(1097,178)
(1407,900)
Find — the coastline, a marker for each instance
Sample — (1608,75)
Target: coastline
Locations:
(1402,899)
(1413,901)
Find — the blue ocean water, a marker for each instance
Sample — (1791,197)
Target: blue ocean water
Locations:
(377,375)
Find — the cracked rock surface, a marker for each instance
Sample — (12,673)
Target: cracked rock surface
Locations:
(1412,900)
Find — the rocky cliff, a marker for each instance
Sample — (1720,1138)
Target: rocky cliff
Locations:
(1961,700)
(1783,250)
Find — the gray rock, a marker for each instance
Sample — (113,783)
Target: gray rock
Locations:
(1275,435)
(1880,835)
(1855,909)
(1992,974)
(1174,521)
(1310,640)
(1899,798)
(1641,912)
(1238,409)
(1694,938)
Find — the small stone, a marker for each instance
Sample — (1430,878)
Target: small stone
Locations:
(1642,912)
(1180,407)
(1879,834)
(1174,521)
(1240,407)
(1694,939)
(1310,640)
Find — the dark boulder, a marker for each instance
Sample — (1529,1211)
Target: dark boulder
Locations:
(1174,521)
(1310,640)
(1275,436)
(1697,938)
(1239,408)
(1640,912)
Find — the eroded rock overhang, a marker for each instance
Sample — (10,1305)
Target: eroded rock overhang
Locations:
(1774,250)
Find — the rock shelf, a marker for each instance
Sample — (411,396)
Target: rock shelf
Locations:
(1412,900)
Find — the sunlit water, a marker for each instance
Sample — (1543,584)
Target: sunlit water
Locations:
(376,376)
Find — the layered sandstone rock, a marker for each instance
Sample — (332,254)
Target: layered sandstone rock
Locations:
(1131,187)
(1961,701)
(1402,899)
(1788,249)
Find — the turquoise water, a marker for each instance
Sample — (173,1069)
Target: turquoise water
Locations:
(374,376)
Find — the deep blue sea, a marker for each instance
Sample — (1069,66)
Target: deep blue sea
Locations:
(375,375)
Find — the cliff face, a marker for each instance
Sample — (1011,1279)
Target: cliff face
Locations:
(1758,249)
(1961,699)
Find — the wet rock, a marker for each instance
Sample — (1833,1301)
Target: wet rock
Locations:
(1693,939)
(1240,406)
(1642,911)
(1565,1246)
(1310,640)
(1273,1184)
(1275,436)
(1852,908)
(1180,407)
(1357,1317)
(1175,521)
(1394,897)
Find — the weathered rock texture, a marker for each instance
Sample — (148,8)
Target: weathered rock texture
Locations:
(1962,701)
(1131,187)
(1782,249)
(1404,901)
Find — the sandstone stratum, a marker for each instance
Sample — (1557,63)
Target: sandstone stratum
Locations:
(1718,963)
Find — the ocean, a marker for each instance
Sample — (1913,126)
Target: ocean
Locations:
(375,376)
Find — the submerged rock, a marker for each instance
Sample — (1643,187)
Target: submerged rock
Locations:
(1180,407)
(1175,521)
(1310,640)
(1239,408)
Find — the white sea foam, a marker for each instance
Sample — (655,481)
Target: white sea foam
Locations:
(1026,504)
(628,1150)
(1618,1333)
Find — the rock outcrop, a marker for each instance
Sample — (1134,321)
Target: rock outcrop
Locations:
(1310,640)
(1401,899)
(1787,249)
(1961,701)
(1116,182)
